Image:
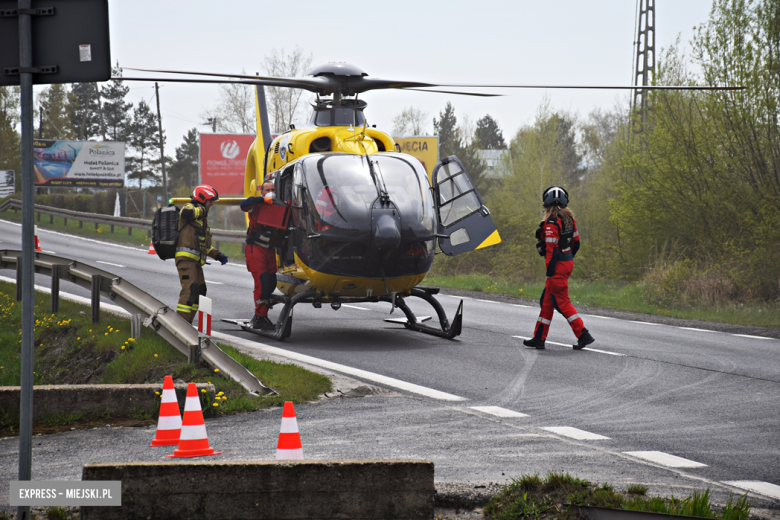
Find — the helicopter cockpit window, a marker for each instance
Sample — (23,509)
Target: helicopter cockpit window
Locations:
(408,187)
(340,190)
(339,116)
(457,197)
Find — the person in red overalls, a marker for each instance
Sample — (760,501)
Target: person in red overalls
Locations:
(559,242)
(260,255)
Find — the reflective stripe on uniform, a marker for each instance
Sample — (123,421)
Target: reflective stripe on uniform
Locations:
(576,234)
(183,308)
(554,240)
(195,307)
(546,322)
(573,317)
(186,252)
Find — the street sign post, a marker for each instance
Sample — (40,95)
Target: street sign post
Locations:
(44,42)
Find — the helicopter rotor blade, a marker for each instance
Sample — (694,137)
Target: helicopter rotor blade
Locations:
(265,83)
(312,83)
(453,92)
(601,87)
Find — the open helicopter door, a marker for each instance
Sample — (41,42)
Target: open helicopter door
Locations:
(465,223)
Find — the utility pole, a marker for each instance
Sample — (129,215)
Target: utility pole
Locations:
(645,53)
(162,150)
(40,123)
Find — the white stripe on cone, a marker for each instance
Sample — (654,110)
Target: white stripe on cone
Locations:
(169,396)
(169,422)
(289,454)
(192,433)
(192,404)
(289,425)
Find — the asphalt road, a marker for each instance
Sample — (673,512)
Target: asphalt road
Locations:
(640,396)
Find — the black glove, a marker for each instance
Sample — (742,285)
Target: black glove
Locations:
(222,258)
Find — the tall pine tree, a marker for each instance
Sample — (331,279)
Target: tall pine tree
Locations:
(85,112)
(488,135)
(184,171)
(145,164)
(451,143)
(10,140)
(116,111)
(56,102)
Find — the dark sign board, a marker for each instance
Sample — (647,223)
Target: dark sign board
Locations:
(69,38)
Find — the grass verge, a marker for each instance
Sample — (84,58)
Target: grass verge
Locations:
(621,296)
(70,349)
(559,495)
(139,237)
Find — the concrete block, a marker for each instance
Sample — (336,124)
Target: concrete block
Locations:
(257,490)
(52,400)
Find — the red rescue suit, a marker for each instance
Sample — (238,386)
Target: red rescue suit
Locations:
(260,256)
(559,262)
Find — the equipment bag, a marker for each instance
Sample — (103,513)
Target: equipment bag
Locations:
(165,231)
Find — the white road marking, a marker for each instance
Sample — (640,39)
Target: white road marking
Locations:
(665,459)
(643,322)
(575,433)
(572,347)
(754,337)
(487,301)
(697,330)
(215,283)
(458,297)
(518,305)
(498,411)
(108,263)
(764,488)
(363,374)
(596,316)
(80,238)
(355,307)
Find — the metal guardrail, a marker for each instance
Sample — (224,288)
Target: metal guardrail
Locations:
(141,306)
(218,235)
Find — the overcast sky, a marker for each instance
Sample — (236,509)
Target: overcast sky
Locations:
(518,41)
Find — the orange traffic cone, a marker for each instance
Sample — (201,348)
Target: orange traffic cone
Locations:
(289,447)
(193,441)
(169,423)
(37,242)
(151,249)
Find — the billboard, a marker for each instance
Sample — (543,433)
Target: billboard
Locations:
(79,164)
(6,183)
(223,161)
(426,149)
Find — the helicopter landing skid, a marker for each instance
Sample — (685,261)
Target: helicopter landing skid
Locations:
(449,331)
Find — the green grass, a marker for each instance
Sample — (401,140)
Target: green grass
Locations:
(70,349)
(558,495)
(139,238)
(615,295)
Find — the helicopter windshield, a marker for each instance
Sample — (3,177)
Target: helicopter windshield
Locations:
(339,116)
(342,192)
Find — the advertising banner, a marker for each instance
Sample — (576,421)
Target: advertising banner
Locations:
(223,161)
(7,183)
(79,164)
(424,148)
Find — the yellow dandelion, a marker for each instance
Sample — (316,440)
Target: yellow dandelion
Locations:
(123,347)
(155,355)
(78,339)
(203,390)
(158,393)
(90,330)
(215,404)
(106,334)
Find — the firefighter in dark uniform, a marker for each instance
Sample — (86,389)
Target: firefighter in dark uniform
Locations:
(559,242)
(260,254)
(192,249)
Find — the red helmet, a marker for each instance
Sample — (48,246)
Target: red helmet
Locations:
(205,193)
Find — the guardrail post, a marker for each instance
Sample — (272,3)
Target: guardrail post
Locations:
(194,355)
(19,279)
(112,228)
(135,326)
(55,288)
(39,216)
(96,298)
(81,224)
(65,221)
(129,231)
(51,219)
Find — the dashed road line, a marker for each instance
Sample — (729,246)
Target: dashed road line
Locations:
(575,433)
(665,459)
(749,336)
(108,263)
(572,347)
(697,330)
(214,283)
(643,322)
(487,301)
(596,316)
(355,307)
(498,411)
(763,488)
(518,305)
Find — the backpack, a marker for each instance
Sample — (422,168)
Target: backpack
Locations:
(165,231)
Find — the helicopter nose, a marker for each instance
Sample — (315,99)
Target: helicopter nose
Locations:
(387,235)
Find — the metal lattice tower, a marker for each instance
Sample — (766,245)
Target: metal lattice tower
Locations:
(645,53)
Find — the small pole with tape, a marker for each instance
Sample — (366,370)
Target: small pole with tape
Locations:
(204,315)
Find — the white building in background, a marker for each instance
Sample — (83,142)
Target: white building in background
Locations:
(495,159)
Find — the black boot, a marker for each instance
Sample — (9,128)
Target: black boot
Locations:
(584,340)
(534,343)
(262,322)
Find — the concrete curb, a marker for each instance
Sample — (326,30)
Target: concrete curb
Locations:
(239,490)
(53,400)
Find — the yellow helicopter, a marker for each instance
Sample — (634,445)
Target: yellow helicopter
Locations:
(365,218)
